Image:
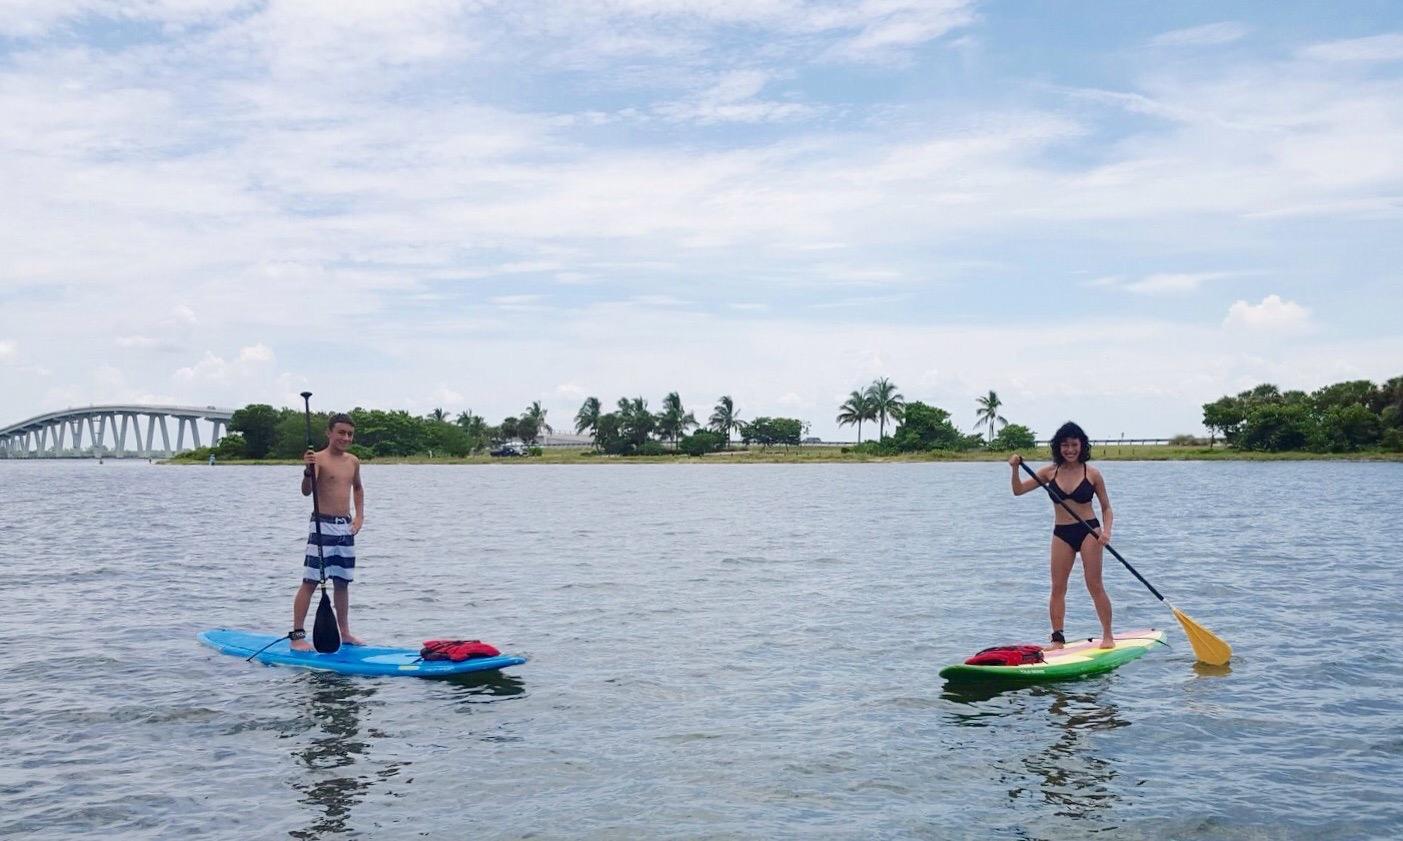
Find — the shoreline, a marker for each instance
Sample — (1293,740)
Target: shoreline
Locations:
(832,455)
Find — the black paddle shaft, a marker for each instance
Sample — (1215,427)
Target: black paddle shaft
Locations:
(316,509)
(1057,498)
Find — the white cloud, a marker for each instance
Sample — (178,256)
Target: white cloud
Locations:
(732,98)
(9,351)
(216,370)
(256,354)
(1272,315)
(1174,283)
(445,396)
(1375,48)
(1208,35)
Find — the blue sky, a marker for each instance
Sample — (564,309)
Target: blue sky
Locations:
(1109,212)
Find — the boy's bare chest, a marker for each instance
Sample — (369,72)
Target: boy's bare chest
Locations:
(335,472)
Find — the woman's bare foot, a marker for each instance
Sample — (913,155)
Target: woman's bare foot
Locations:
(1107,641)
(1058,641)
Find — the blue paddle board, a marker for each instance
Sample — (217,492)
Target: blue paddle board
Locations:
(350,659)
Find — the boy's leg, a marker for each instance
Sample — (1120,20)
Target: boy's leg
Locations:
(300,603)
(341,600)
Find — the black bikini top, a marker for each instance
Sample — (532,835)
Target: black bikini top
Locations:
(1083,492)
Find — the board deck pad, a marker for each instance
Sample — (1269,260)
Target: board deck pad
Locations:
(349,659)
(1076,659)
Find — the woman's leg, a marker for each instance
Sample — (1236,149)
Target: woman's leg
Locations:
(1063,558)
(1091,554)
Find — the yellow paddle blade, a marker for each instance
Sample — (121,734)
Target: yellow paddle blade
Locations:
(1207,646)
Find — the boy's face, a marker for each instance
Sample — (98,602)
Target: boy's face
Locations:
(340,436)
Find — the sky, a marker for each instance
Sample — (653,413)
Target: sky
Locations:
(1106,212)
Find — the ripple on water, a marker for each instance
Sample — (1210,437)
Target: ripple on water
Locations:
(716,652)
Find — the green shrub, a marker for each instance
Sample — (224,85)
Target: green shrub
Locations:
(1015,436)
(701,442)
(231,447)
(651,448)
(1392,440)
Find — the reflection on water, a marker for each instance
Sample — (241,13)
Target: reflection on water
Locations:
(1206,670)
(327,773)
(1067,773)
(335,768)
(485,687)
(1074,778)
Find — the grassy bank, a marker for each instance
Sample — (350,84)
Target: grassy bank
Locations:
(824,455)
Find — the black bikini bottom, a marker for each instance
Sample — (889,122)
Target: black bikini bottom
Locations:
(1075,533)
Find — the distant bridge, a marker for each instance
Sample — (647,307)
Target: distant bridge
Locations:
(60,434)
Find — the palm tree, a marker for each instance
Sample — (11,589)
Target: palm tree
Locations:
(438,415)
(635,421)
(856,409)
(886,402)
(474,426)
(535,413)
(988,413)
(724,418)
(673,420)
(588,416)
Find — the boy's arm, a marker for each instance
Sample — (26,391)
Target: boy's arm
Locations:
(358,495)
(310,458)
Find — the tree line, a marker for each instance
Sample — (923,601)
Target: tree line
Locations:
(631,427)
(919,426)
(1341,418)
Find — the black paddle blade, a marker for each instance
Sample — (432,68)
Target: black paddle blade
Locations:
(326,637)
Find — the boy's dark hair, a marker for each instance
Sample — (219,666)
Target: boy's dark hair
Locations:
(340,417)
(1065,431)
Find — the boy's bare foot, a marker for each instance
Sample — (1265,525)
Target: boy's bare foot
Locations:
(1108,641)
(297,641)
(1052,646)
(1057,641)
(348,638)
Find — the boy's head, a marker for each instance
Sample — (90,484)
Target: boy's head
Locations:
(340,431)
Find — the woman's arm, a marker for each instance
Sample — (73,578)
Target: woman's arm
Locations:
(1018,483)
(1107,515)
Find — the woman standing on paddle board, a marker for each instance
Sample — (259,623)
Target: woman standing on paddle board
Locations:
(1070,453)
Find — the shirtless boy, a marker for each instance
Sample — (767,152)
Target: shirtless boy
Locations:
(338,479)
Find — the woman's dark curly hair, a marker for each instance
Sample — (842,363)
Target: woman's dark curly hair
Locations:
(1070,430)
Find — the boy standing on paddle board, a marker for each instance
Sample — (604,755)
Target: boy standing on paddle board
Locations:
(338,480)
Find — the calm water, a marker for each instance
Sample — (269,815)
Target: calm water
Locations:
(717,651)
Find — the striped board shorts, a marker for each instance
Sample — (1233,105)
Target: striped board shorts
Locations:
(338,547)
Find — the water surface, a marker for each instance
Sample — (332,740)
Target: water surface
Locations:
(717,651)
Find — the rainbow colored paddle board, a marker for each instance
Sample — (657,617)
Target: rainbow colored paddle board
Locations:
(1077,659)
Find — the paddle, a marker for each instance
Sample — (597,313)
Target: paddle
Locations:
(1208,647)
(326,637)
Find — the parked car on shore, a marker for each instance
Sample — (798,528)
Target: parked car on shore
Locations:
(511,449)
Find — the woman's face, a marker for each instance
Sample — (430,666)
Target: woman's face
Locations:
(1070,449)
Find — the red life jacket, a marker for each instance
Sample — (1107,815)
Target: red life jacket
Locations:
(456,650)
(1007,655)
